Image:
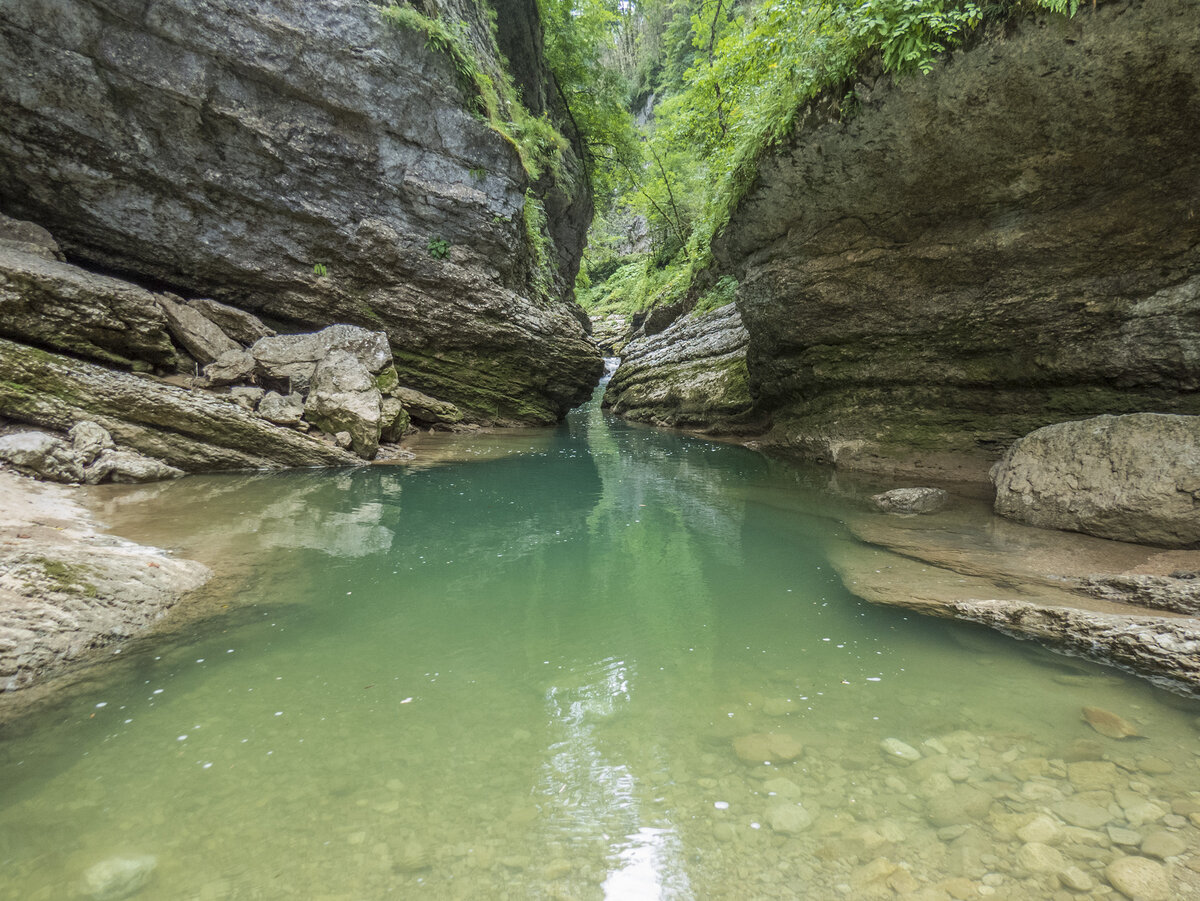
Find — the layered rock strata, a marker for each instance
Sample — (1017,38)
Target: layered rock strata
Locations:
(692,375)
(934,266)
(303,160)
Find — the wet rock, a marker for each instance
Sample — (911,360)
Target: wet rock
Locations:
(199,336)
(243,327)
(911,500)
(343,398)
(118,877)
(88,439)
(1075,879)
(1139,879)
(692,373)
(961,805)
(1089,775)
(1130,478)
(246,397)
(1122,836)
(233,367)
(393,420)
(788,818)
(758,747)
(1082,813)
(784,788)
(1181,595)
(281,409)
(1163,844)
(1041,829)
(1109,724)
(1035,857)
(898,752)
(42,455)
(425,409)
(128,467)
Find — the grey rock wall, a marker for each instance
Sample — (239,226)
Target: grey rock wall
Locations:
(227,149)
(1010,241)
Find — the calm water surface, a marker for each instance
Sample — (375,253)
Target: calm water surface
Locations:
(575,668)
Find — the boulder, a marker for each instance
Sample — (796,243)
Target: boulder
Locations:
(425,409)
(198,335)
(281,409)
(1139,879)
(30,238)
(192,430)
(128,466)
(246,397)
(1130,478)
(343,398)
(89,441)
(42,455)
(118,877)
(393,420)
(911,500)
(244,328)
(52,304)
(233,367)
(291,360)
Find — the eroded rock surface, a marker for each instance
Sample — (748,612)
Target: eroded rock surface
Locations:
(690,374)
(1130,478)
(298,158)
(1007,242)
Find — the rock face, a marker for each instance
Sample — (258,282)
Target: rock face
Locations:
(298,158)
(1007,242)
(1131,478)
(691,374)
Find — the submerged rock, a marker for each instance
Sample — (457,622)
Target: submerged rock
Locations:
(1139,879)
(911,500)
(1130,478)
(118,877)
(1109,724)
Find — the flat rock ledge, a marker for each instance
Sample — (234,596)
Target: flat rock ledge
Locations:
(1117,603)
(66,588)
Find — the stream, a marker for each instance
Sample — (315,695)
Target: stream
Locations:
(592,662)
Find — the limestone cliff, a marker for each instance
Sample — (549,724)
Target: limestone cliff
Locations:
(1010,241)
(308,161)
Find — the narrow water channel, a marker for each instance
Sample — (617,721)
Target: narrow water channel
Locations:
(597,662)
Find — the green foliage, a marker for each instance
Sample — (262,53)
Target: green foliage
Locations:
(732,79)
(538,143)
(537,237)
(478,174)
(438,248)
(717,296)
(320,270)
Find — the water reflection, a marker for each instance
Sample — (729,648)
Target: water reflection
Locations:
(547,675)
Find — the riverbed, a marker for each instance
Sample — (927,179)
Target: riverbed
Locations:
(597,661)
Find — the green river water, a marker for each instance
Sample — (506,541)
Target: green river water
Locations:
(551,672)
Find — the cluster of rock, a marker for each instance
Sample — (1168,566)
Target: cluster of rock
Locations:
(83,354)
(300,165)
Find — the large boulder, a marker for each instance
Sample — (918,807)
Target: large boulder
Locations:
(52,304)
(43,455)
(425,409)
(290,361)
(1131,478)
(196,333)
(128,466)
(344,398)
(296,158)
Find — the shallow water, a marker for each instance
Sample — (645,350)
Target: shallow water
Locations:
(527,678)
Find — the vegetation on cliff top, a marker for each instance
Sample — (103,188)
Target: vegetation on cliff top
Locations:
(717,84)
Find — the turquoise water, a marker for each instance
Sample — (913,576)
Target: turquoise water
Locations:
(550,672)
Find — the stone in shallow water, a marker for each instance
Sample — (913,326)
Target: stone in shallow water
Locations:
(758,747)
(1139,879)
(1090,775)
(1038,858)
(898,752)
(788,818)
(1109,724)
(1163,845)
(1076,879)
(911,500)
(1041,829)
(1122,836)
(1082,813)
(960,805)
(118,877)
